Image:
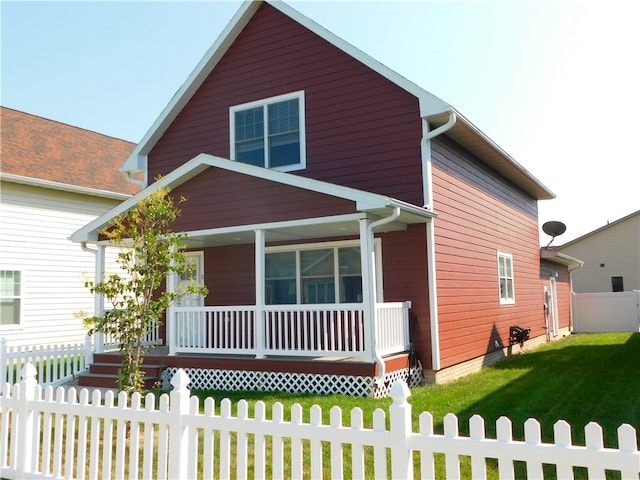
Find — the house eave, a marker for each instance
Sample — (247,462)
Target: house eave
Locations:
(560,258)
(66,187)
(470,137)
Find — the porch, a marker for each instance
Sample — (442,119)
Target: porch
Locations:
(321,349)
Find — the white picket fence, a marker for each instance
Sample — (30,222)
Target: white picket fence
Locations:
(43,435)
(56,364)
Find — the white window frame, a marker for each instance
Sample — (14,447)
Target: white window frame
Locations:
(19,297)
(299,95)
(297,248)
(506,300)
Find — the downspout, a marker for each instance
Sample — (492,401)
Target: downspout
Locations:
(431,244)
(371,245)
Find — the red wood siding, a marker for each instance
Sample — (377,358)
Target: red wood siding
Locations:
(361,130)
(404,257)
(479,216)
(221,198)
(230,275)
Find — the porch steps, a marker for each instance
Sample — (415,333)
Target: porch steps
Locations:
(103,372)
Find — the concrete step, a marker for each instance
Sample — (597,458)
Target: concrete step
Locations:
(113,368)
(102,380)
(103,372)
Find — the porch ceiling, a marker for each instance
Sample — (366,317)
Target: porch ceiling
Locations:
(295,230)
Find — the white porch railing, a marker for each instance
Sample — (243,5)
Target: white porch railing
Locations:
(287,330)
(105,342)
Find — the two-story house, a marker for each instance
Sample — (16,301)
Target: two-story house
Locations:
(351,227)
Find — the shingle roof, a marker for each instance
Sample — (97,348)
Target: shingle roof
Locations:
(44,149)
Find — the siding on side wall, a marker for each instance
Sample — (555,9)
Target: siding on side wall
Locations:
(404,257)
(362,130)
(34,238)
(477,217)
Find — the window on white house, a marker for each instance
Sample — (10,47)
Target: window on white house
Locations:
(505,277)
(10,296)
(270,133)
(313,275)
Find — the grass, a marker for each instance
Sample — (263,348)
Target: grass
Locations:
(583,378)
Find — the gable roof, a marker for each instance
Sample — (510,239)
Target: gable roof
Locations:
(44,152)
(598,230)
(431,107)
(364,201)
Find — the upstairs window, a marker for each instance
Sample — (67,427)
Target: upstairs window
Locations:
(10,297)
(505,278)
(270,133)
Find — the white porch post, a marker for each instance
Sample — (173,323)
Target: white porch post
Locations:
(368,287)
(170,314)
(260,294)
(98,299)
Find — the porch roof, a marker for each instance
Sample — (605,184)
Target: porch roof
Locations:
(367,204)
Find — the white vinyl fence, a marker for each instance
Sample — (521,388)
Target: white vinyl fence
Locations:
(606,312)
(56,364)
(45,435)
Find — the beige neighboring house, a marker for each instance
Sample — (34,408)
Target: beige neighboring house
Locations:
(611,256)
(54,178)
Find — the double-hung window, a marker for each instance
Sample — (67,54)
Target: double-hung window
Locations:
(10,297)
(505,277)
(270,133)
(330,274)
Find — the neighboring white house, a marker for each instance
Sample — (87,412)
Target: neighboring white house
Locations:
(611,256)
(54,178)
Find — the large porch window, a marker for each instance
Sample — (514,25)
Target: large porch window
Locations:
(313,274)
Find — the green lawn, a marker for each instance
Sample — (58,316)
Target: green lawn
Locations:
(583,378)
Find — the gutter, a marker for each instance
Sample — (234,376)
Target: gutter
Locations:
(431,243)
(370,228)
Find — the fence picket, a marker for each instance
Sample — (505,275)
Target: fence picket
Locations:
(277,446)
(478,463)
(225,442)
(533,437)
(47,433)
(337,459)
(208,441)
(379,452)
(427,463)
(593,439)
(315,444)
(357,450)
(241,442)
(504,433)
(192,461)
(628,444)
(452,460)
(562,437)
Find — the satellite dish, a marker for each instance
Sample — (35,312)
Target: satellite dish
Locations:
(554,229)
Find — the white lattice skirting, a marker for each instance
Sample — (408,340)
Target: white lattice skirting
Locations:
(233,380)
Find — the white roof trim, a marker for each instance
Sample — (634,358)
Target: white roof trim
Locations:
(429,104)
(365,201)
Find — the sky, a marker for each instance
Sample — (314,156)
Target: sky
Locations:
(554,83)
